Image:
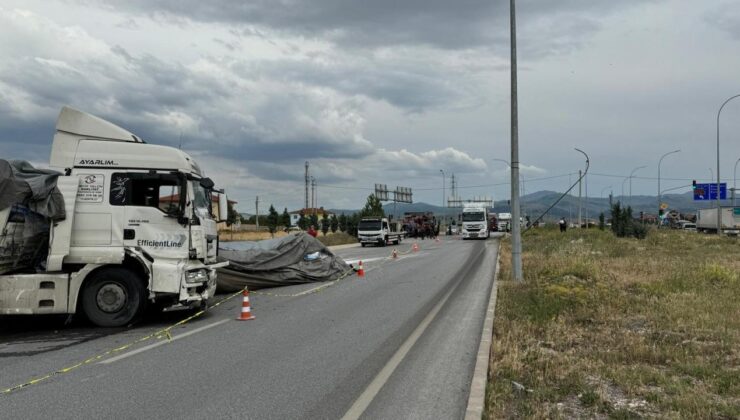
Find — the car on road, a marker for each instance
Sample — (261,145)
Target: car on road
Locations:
(691,227)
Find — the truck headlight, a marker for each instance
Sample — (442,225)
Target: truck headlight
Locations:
(196,276)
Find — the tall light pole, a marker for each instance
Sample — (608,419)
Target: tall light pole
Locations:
(659,162)
(516,231)
(444,213)
(734,182)
(719,206)
(623,181)
(604,189)
(631,175)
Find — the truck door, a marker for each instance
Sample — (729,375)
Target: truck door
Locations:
(152,205)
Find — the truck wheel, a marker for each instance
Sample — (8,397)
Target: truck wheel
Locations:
(113,297)
(362,244)
(385,242)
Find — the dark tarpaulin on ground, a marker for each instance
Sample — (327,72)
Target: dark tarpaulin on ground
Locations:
(293,259)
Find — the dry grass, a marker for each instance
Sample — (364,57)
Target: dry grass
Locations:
(337,238)
(620,328)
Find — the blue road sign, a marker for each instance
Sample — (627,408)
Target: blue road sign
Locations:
(705,192)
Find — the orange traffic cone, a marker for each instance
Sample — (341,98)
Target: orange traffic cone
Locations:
(395,253)
(246,314)
(361,271)
(415,247)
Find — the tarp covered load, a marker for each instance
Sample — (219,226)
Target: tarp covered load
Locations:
(294,259)
(29,202)
(35,189)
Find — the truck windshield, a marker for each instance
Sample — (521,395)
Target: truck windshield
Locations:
(477,216)
(369,225)
(201,201)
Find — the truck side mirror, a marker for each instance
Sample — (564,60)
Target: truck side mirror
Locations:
(223,207)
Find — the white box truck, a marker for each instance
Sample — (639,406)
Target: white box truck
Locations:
(377,230)
(137,229)
(475,221)
(706,220)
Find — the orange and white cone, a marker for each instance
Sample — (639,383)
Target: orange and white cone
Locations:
(415,247)
(360,271)
(246,313)
(436,239)
(395,253)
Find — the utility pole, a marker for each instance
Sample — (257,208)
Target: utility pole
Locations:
(444,213)
(313,195)
(580,201)
(585,208)
(719,206)
(516,231)
(306,206)
(257,211)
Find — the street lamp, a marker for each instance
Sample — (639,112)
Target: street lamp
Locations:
(734,182)
(719,207)
(623,181)
(444,213)
(659,162)
(604,189)
(631,175)
(516,231)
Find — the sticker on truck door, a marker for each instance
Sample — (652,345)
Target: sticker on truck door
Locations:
(91,189)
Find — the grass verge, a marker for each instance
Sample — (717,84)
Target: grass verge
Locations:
(338,238)
(607,327)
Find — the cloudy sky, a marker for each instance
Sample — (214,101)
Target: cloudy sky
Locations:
(384,91)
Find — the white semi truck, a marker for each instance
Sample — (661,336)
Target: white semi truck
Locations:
(475,221)
(706,220)
(138,229)
(377,230)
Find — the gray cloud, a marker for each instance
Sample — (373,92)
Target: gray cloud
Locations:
(551,25)
(725,17)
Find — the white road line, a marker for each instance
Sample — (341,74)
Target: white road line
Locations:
(313,289)
(364,400)
(364,260)
(163,342)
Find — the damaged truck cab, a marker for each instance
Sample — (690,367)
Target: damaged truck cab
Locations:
(138,229)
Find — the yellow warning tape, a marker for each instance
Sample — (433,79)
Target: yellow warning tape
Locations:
(165,332)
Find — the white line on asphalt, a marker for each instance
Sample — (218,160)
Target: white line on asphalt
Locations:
(364,400)
(364,260)
(159,343)
(311,290)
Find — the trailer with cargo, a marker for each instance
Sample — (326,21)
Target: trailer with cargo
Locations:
(706,220)
(113,226)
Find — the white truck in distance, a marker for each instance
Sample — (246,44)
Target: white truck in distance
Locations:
(138,229)
(474,221)
(377,230)
(706,220)
(504,222)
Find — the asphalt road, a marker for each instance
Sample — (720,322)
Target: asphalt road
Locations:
(399,343)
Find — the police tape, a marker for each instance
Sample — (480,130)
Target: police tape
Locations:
(166,332)
(160,334)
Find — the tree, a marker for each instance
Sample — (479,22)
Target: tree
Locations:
(352,223)
(232,216)
(334,223)
(314,220)
(325,224)
(342,222)
(285,219)
(303,221)
(602,223)
(273,218)
(373,207)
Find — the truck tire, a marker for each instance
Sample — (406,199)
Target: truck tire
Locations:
(385,242)
(113,297)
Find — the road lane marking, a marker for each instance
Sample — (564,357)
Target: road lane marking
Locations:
(364,400)
(163,342)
